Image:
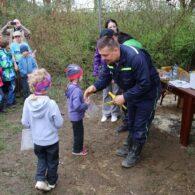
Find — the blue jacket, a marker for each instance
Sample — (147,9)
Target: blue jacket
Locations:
(75,102)
(15,50)
(134,73)
(27,65)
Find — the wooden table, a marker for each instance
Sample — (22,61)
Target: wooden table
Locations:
(188,109)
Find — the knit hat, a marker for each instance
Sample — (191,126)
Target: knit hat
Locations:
(73,71)
(23,48)
(41,87)
(107,32)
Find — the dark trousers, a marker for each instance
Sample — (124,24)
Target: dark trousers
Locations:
(140,116)
(48,160)
(1,99)
(78,134)
(9,89)
(25,87)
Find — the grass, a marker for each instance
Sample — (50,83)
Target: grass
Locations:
(2,144)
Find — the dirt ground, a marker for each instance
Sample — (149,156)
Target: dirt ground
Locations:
(166,168)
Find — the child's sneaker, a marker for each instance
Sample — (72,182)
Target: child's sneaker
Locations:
(52,186)
(41,185)
(82,153)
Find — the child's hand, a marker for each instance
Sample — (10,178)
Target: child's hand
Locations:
(87,101)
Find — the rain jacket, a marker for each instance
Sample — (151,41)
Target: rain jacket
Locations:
(7,66)
(75,101)
(27,65)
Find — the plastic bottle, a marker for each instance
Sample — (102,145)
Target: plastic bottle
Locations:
(174,71)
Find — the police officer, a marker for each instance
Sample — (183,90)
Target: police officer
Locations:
(133,71)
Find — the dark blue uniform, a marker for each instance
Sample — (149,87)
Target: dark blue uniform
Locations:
(140,82)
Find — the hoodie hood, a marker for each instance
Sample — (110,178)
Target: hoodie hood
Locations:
(70,88)
(38,105)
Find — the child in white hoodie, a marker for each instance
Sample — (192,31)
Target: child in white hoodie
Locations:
(42,115)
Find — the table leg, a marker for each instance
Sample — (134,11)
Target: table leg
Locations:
(186,121)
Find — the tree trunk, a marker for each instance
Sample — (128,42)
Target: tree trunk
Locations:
(47,2)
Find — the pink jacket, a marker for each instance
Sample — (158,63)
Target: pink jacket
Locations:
(1,82)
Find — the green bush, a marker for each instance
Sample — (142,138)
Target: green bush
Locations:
(70,37)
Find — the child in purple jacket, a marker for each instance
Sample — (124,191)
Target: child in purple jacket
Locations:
(76,107)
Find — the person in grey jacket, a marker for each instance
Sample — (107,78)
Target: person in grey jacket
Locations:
(76,107)
(42,115)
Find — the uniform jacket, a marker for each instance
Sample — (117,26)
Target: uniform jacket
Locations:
(134,73)
(124,39)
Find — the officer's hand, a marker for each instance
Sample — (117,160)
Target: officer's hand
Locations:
(119,100)
(90,90)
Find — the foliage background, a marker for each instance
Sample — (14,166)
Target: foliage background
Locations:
(62,36)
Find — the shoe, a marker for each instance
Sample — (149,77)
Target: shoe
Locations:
(52,186)
(122,128)
(133,155)
(41,185)
(114,118)
(122,151)
(82,153)
(104,119)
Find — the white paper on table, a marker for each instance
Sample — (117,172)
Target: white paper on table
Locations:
(180,83)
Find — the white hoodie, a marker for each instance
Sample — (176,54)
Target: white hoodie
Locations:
(42,115)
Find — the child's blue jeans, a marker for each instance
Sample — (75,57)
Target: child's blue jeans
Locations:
(48,160)
(25,87)
(9,86)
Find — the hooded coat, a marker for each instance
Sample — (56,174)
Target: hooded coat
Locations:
(42,115)
(75,102)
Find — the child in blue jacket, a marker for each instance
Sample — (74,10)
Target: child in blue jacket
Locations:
(27,65)
(76,107)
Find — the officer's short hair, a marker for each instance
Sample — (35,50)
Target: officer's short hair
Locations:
(107,42)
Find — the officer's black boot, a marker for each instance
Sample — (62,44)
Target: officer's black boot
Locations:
(122,128)
(124,150)
(133,155)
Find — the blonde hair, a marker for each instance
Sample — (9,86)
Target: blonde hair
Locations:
(37,76)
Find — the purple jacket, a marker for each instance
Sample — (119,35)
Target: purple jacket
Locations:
(98,63)
(75,102)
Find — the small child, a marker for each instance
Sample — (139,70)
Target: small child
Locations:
(42,115)
(8,73)
(27,65)
(76,107)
